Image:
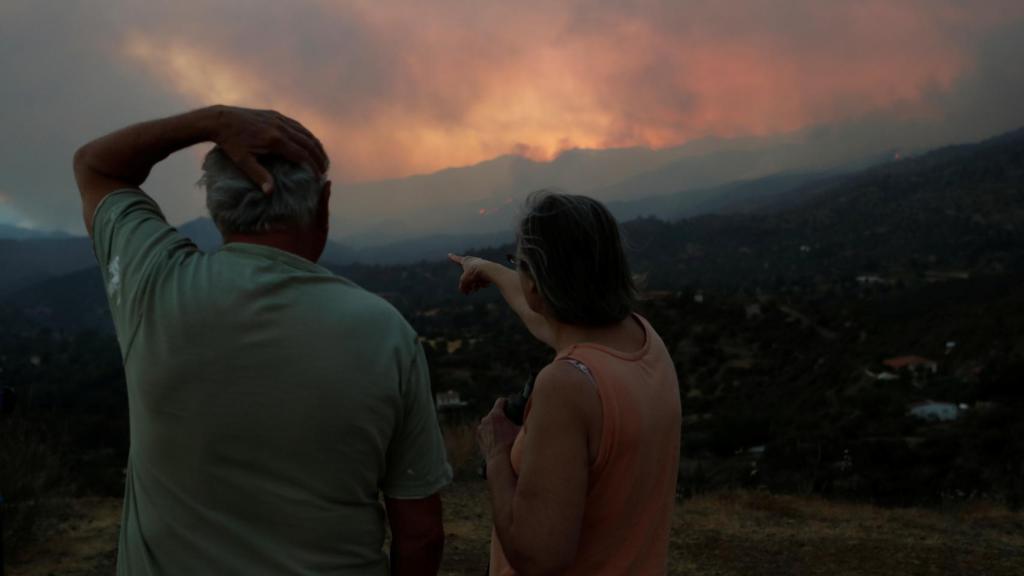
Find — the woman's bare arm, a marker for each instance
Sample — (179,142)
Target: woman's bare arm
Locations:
(538,516)
(478,273)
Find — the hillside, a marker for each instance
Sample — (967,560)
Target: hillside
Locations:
(778,321)
(953,211)
(744,196)
(452,199)
(11,232)
(25,262)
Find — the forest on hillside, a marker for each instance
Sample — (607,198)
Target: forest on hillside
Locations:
(786,325)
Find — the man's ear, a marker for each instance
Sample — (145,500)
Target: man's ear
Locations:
(323,209)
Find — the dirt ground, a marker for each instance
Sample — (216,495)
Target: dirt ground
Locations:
(732,533)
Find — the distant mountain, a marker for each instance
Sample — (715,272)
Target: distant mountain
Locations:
(744,161)
(486,197)
(25,262)
(775,191)
(74,301)
(478,198)
(956,212)
(10,232)
(34,259)
(204,233)
(427,248)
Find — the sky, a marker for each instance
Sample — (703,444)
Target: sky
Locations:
(397,88)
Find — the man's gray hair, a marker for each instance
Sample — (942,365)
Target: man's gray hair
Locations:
(237,205)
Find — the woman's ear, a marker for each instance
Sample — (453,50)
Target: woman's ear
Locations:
(533,296)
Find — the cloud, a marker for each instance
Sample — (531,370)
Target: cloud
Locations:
(7,214)
(399,88)
(64,83)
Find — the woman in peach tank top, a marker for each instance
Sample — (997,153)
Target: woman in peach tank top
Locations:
(587,484)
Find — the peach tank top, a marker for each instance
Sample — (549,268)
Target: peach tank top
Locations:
(632,484)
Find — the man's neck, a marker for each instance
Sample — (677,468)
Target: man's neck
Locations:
(298,244)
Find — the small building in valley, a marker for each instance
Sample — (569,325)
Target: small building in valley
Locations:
(883,376)
(934,411)
(449,400)
(912,363)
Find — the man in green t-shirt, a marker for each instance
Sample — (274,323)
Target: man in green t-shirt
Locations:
(272,403)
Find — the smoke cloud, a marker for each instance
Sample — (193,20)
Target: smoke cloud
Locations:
(404,87)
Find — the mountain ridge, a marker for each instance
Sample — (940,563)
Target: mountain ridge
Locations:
(952,211)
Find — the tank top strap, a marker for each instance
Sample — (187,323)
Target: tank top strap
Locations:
(579,365)
(591,363)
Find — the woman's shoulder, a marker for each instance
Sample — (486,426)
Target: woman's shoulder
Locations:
(566,400)
(560,375)
(564,385)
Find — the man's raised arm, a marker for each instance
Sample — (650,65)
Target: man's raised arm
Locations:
(123,159)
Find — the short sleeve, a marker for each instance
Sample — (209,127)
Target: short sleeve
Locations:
(417,466)
(133,244)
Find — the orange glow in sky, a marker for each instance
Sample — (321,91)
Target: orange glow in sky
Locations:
(422,88)
(397,88)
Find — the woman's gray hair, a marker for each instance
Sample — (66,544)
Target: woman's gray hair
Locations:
(237,205)
(572,248)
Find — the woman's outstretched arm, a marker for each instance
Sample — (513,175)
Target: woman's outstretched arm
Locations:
(478,273)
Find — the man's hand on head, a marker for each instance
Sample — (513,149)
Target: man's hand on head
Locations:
(123,159)
(246,134)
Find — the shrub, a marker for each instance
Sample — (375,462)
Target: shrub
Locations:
(31,466)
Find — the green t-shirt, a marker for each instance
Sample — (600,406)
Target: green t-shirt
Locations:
(271,402)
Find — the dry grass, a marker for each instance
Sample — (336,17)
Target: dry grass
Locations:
(29,468)
(724,534)
(758,533)
(82,540)
(461,447)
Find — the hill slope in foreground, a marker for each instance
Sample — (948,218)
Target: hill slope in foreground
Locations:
(727,533)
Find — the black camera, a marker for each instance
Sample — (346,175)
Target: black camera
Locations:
(515,404)
(515,411)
